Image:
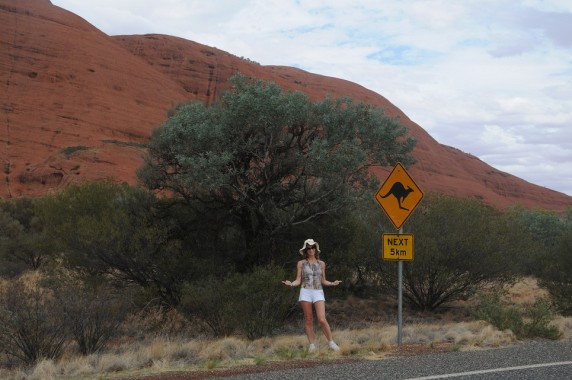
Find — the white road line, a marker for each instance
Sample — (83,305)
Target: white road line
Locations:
(459,374)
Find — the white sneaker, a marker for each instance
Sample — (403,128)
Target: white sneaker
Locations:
(333,346)
(312,347)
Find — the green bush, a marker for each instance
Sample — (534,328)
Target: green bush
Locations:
(561,293)
(533,322)
(94,313)
(33,327)
(539,317)
(253,303)
(24,243)
(499,313)
(206,299)
(40,316)
(556,275)
(260,302)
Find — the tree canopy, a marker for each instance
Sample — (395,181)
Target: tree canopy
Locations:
(267,160)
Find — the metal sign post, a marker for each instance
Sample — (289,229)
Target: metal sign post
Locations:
(400,299)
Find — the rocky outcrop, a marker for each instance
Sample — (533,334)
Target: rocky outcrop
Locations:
(79,105)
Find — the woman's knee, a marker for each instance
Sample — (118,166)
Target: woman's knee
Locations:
(322,321)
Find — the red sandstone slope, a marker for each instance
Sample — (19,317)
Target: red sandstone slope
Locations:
(75,105)
(78,104)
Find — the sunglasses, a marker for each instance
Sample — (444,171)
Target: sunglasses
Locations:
(312,247)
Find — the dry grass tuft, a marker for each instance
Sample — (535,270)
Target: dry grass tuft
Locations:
(366,341)
(225,349)
(466,334)
(45,369)
(271,347)
(564,324)
(526,291)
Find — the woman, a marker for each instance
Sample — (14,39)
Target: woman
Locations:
(312,275)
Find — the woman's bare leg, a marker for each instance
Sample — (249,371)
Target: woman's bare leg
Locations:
(320,307)
(308,320)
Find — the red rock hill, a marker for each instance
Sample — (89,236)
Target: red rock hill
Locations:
(79,105)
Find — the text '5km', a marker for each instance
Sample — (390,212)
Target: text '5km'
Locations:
(397,246)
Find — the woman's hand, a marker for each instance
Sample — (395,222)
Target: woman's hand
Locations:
(287,283)
(335,283)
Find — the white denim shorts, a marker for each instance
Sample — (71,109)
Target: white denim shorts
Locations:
(311,295)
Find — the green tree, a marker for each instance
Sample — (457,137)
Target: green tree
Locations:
(265,161)
(549,251)
(544,229)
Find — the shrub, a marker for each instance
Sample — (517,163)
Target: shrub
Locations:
(260,301)
(539,317)
(91,307)
(533,322)
(206,300)
(254,303)
(33,327)
(24,244)
(499,313)
(40,317)
(556,275)
(561,293)
(94,314)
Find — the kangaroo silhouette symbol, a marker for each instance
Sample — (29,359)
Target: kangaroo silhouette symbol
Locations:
(399,192)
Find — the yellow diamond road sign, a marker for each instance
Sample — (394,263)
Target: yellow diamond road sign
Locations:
(398,196)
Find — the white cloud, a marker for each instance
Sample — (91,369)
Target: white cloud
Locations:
(490,77)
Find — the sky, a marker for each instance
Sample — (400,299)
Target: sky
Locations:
(492,78)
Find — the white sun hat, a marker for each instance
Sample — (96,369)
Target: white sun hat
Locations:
(308,242)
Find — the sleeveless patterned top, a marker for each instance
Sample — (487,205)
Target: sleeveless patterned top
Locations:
(311,275)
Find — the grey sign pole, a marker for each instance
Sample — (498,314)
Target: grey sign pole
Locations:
(400,299)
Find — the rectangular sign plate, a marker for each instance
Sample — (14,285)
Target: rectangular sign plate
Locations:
(397,247)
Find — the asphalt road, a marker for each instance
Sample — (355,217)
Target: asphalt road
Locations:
(545,360)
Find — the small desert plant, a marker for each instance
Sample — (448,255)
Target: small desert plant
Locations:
(286,353)
(504,315)
(213,363)
(540,316)
(260,360)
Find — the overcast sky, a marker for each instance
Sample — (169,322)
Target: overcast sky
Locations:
(492,78)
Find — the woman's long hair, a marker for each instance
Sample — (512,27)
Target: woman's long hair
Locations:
(317,255)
